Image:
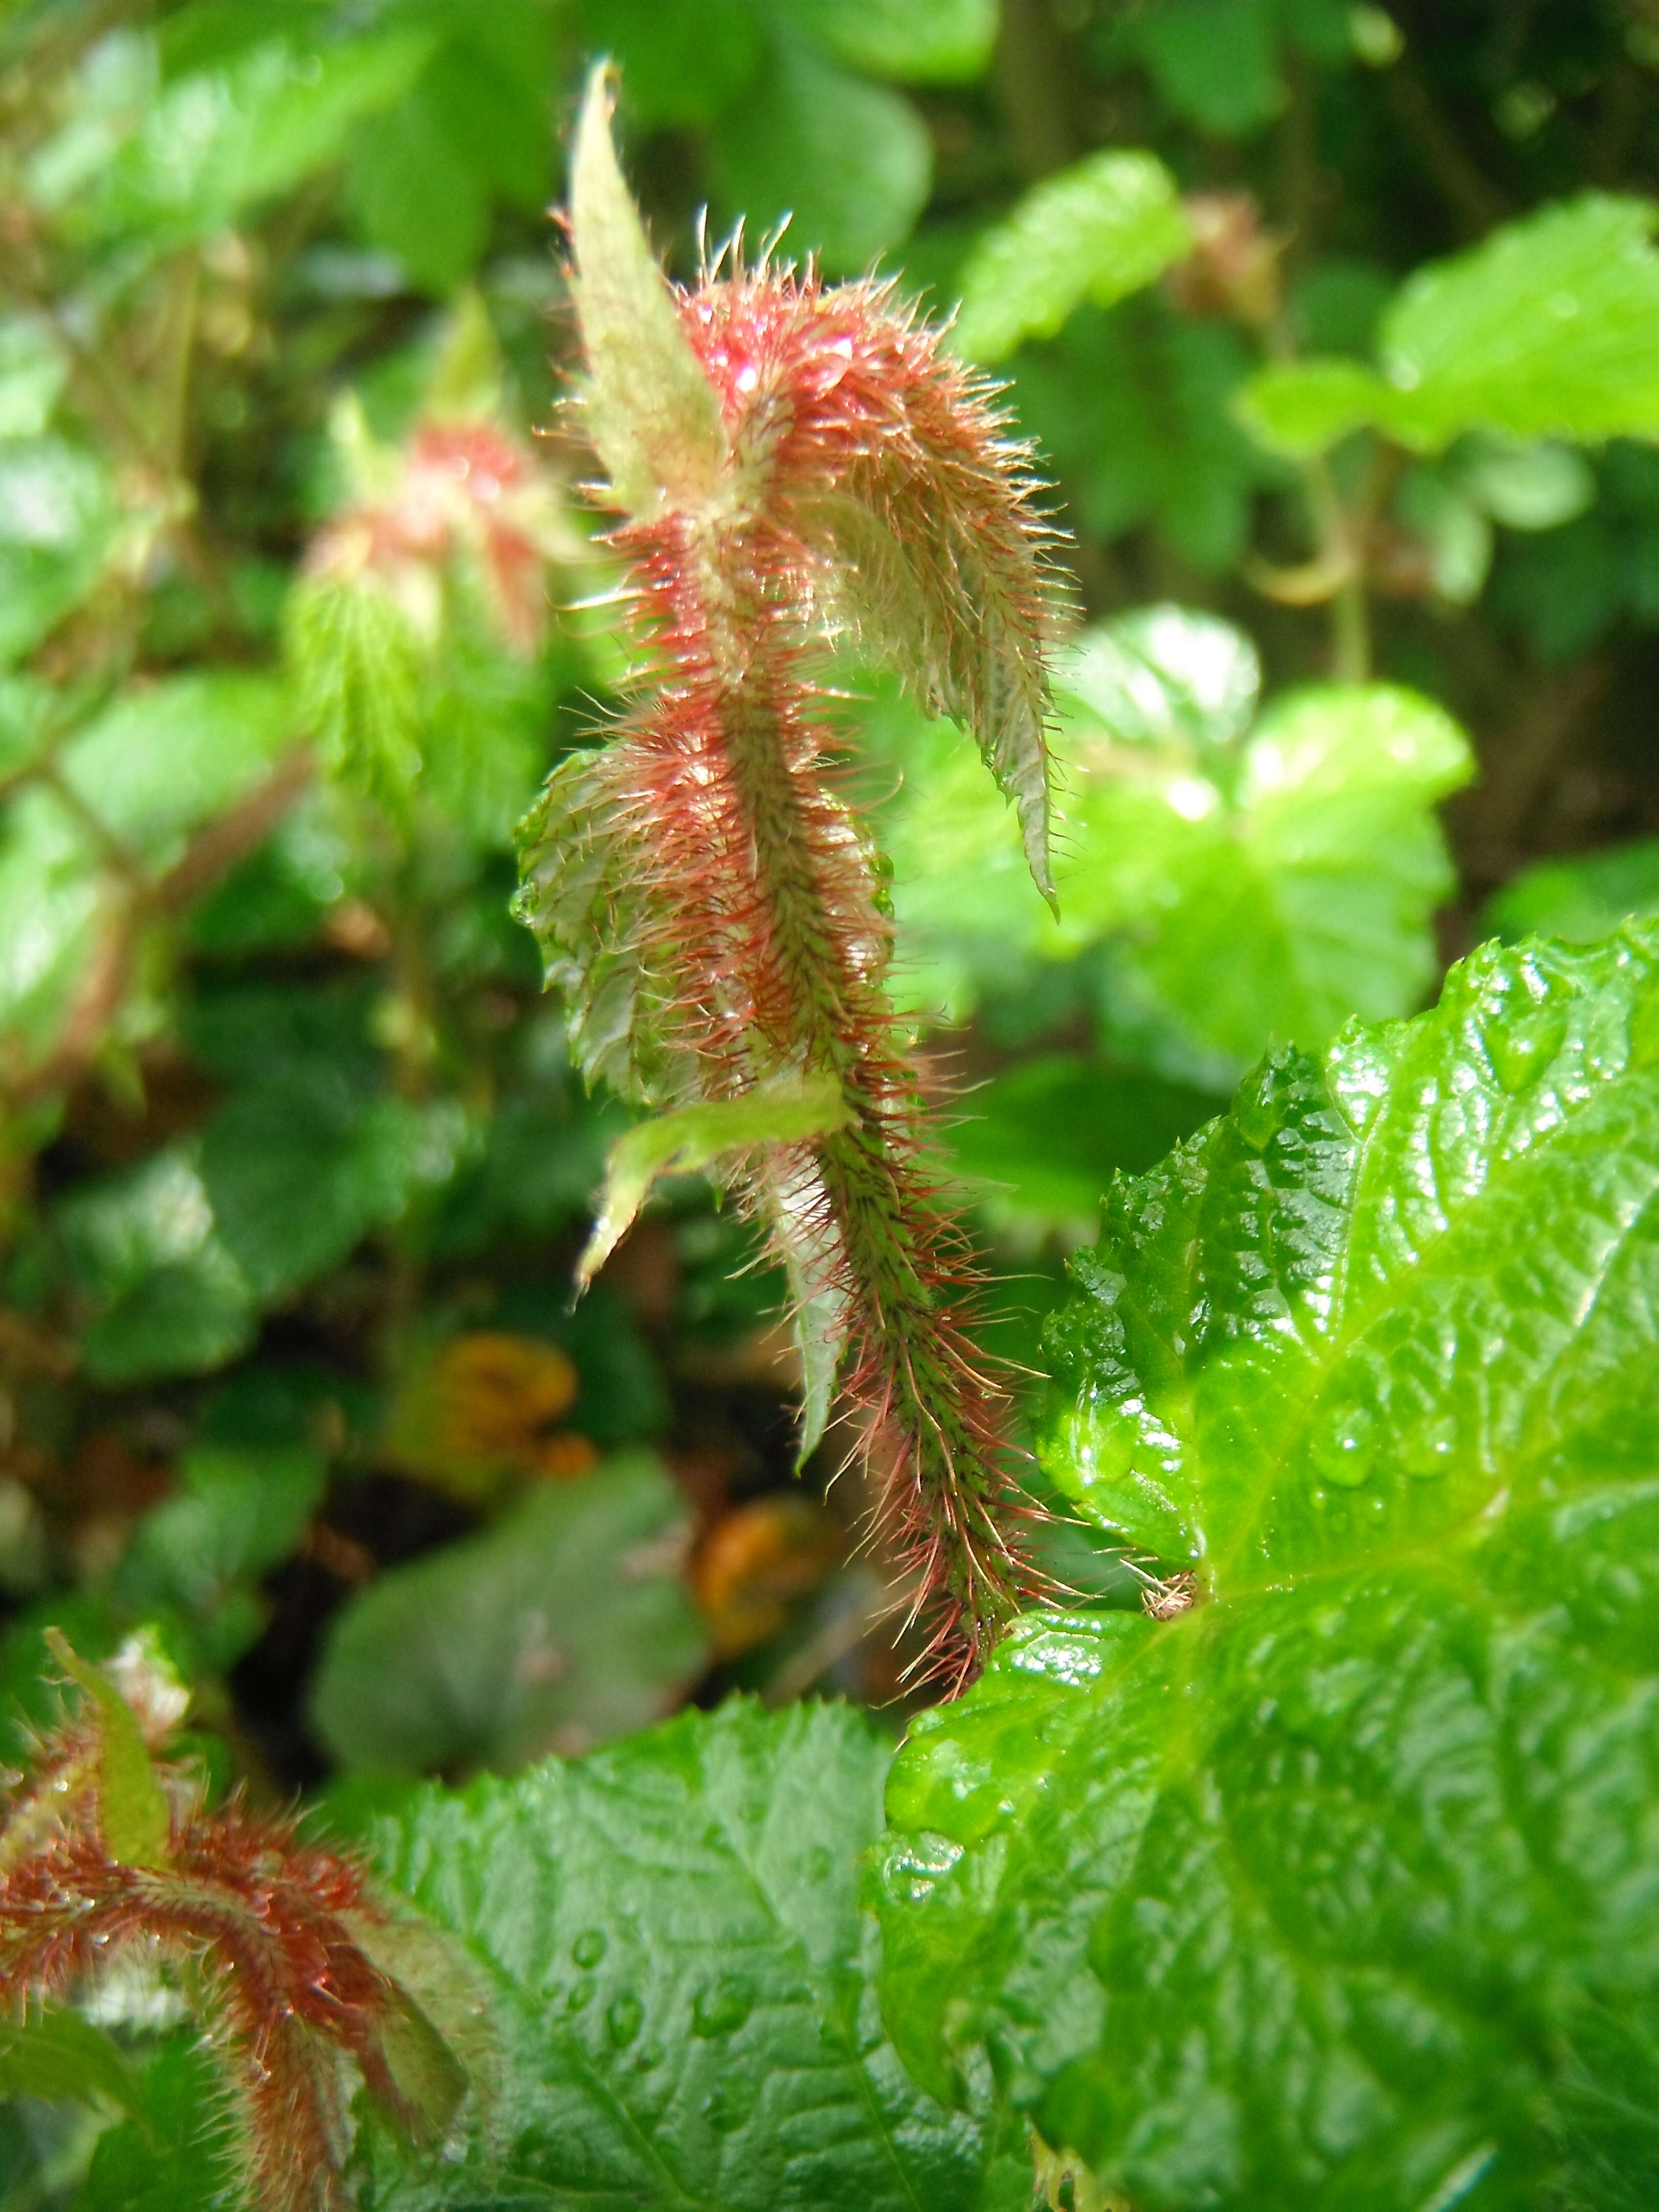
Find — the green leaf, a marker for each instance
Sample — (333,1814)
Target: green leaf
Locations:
(54,909)
(694,1138)
(1135,407)
(216,141)
(360,666)
(236,1515)
(1214,62)
(162,760)
(132,1810)
(681,61)
(56,2055)
(1544,329)
(57,519)
(849,161)
(1536,487)
(563,1626)
(174,2154)
(921,41)
(1579,900)
(1098,231)
(1246,887)
(650,412)
(166,1297)
(1334,1887)
(1038,1146)
(681,1981)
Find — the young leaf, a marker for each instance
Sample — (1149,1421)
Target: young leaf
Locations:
(57,2055)
(919,41)
(1294,1892)
(680,1979)
(648,407)
(132,1811)
(694,1138)
(1098,231)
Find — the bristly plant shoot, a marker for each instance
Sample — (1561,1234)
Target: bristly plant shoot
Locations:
(796,465)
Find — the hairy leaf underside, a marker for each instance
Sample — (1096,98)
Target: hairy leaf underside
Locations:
(796,465)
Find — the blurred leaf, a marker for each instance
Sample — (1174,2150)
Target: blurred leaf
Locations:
(33,368)
(1526,487)
(1133,405)
(1214,62)
(1544,329)
(681,1979)
(564,1625)
(850,163)
(1249,889)
(218,140)
(921,41)
(1580,900)
(1097,231)
(166,1296)
(162,760)
(132,1810)
(1453,527)
(174,2154)
(56,2055)
(54,911)
(298,1171)
(423,173)
(693,1139)
(1038,1146)
(359,663)
(681,61)
(236,1515)
(57,519)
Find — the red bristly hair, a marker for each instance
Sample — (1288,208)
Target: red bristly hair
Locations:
(708,898)
(264,1930)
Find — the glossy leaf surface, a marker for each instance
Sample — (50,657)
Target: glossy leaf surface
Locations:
(1336,1883)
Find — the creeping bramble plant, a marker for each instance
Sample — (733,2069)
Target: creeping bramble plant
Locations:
(796,464)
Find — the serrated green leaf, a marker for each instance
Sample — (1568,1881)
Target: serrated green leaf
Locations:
(849,162)
(693,1139)
(359,663)
(563,1626)
(1544,329)
(175,2154)
(132,1810)
(650,412)
(921,41)
(1097,231)
(680,1980)
(1293,1893)
(1579,900)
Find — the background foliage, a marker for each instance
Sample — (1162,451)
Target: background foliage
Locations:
(1339,330)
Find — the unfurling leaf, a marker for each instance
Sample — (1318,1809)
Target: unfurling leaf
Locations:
(694,1138)
(132,1809)
(650,412)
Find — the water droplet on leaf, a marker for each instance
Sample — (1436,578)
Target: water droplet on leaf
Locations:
(723,2006)
(589,1947)
(622,2019)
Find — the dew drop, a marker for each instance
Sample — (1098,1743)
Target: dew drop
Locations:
(1346,1452)
(1429,1451)
(582,1995)
(623,2017)
(589,1947)
(1521,1043)
(723,2006)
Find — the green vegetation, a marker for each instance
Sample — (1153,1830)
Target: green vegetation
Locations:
(374,973)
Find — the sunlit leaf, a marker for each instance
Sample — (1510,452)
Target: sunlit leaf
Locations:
(1095,232)
(132,1810)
